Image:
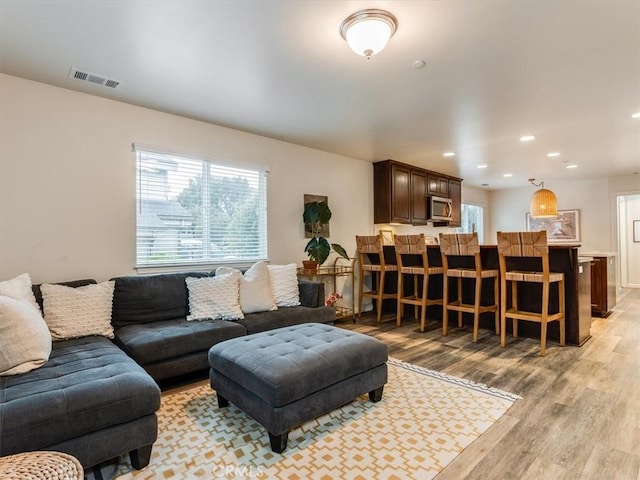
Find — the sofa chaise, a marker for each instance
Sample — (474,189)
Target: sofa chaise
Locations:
(96,398)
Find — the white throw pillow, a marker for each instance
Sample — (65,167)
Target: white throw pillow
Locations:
(19,288)
(216,298)
(25,342)
(78,312)
(284,285)
(255,287)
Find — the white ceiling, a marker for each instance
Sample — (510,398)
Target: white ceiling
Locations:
(565,71)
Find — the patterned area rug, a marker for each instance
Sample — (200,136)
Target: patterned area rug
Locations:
(425,419)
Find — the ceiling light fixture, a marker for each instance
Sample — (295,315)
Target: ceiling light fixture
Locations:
(553,154)
(449,154)
(527,138)
(543,202)
(572,165)
(482,166)
(507,175)
(368,31)
(636,115)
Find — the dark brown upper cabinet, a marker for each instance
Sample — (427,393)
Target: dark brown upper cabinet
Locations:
(400,193)
(438,185)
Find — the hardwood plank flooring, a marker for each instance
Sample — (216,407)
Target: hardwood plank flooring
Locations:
(579,417)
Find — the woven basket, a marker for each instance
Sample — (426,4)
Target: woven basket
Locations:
(40,465)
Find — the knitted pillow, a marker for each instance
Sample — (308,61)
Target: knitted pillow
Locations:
(78,312)
(216,298)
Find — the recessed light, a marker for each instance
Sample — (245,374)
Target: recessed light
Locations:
(508,175)
(553,154)
(572,165)
(636,115)
(449,154)
(527,138)
(482,166)
(418,64)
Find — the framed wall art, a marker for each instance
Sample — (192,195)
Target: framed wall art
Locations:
(565,228)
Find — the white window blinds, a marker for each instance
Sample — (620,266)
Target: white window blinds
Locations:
(193,211)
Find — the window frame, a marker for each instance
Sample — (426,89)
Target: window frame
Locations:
(142,263)
(480,227)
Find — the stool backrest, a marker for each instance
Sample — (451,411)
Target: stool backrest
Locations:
(410,244)
(369,244)
(460,245)
(523,244)
(413,245)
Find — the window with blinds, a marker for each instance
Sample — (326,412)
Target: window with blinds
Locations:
(194,211)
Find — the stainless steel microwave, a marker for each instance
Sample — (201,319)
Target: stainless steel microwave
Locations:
(440,209)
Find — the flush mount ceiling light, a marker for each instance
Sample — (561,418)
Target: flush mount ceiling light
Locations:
(368,31)
(543,202)
(527,138)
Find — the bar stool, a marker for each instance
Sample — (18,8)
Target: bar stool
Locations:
(466,245)
(370,255)
(414,247)
(528,245)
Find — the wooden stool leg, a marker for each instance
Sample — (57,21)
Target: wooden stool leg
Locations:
(496,294)
(445,303)
(360,292)
(561,307)
(476,309)
(503,312)
(514,305)
(415,292)
(459,302)
(425,291)
(545,316)
(399,303)
(380,293)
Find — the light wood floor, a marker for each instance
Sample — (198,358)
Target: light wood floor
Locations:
(579,417)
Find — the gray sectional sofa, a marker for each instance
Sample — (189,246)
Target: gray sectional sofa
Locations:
(96,398)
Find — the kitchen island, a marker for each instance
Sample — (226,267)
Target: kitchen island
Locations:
(562,258)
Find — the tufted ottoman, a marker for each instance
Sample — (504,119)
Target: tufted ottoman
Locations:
(285,377)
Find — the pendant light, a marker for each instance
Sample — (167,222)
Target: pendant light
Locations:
(368,31)
(544,203)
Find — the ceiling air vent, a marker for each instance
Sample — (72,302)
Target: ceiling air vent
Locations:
(93,78)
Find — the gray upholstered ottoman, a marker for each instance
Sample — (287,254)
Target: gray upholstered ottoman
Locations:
(287,376)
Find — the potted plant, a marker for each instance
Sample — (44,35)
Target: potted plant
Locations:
(317,214)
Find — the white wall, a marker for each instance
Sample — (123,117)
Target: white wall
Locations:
(590,196)
(67,181)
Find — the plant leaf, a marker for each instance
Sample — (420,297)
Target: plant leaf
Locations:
(339,249)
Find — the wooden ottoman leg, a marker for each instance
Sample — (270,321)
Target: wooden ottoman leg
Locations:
(278,442)
(222,402)
(376,395)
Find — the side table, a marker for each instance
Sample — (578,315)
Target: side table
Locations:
(333,272)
